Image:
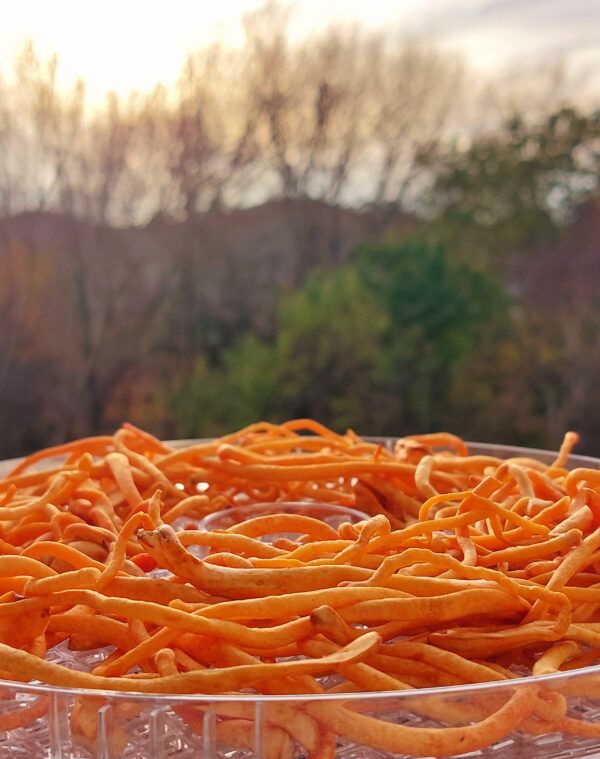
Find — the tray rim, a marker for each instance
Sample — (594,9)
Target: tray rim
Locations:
(447,691)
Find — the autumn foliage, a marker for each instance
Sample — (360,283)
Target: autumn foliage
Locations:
(342,227)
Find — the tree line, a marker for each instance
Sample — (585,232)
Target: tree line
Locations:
(340,116)
(345,227)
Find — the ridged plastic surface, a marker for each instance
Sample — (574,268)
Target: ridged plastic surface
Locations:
(155,730)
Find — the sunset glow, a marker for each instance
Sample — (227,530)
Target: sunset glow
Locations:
(133,45)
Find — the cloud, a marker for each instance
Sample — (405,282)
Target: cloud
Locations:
(492,34)
(547,25)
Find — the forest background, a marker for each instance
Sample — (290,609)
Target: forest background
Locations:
(345,226)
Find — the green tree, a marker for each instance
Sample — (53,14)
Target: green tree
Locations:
(512,203)
(441,313)
(328,351)
(514,186)
(378,346)
(323,362)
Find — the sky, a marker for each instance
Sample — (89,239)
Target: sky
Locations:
(132,44)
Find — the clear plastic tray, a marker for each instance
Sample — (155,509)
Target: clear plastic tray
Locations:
(326,512)
(150,727)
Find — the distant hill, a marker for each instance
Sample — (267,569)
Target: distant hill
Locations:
(94,320)
(226,266)
(92,317)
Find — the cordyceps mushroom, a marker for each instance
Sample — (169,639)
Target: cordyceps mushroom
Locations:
(166,549)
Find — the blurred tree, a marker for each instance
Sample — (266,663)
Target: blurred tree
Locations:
(342,113)
(340,131)
(114,312)
(85,305)
(41,133)
(112,134)
(341,116)
(211,128)
(514,186)
(502,204)
(27,368)
(441,312)
(328,351)
(378,346)
(323,362)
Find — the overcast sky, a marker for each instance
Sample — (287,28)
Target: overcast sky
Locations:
(133,44)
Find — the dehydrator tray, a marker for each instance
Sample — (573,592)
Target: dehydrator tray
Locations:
(141,726)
